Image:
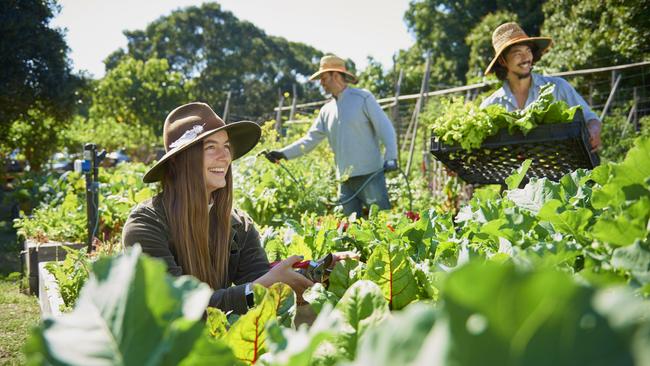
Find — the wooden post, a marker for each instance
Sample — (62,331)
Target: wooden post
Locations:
(395,109)
(397,121)
(226,108)
(611,95)
(416,113)
(278,115)
(294,102)
(631,117)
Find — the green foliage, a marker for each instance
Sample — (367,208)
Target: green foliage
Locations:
(594,33)
(375,80)
(62,216)
(70,274)
(136,140)
(618,135)
(468,125)
(35,136)
(139,94)
(36,77)
(221,53)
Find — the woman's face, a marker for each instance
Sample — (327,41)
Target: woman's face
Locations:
(216,160)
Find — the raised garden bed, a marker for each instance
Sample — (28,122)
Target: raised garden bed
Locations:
(35,253)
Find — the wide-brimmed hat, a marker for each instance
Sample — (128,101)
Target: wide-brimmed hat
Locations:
(511,33)
(333,63)
(190,124)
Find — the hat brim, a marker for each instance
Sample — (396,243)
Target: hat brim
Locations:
(543,44)
(243,136)
(321,71)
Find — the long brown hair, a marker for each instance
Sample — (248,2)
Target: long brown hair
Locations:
(200,240)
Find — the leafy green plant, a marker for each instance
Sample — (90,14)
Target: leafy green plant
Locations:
(62,217)
(70,274)
(468,125)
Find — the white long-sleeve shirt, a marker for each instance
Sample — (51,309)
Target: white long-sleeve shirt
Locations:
(354,124)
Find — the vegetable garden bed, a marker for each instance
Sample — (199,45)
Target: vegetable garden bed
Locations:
(35,253)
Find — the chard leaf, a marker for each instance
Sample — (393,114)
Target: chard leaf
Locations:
(344,274)
(362,306)
(291,347)
(247,336)
(285,303)
(217,322)
(208,350)
(389,268)
(398,340)
(317,296)
(515,317)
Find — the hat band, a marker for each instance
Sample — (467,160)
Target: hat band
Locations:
(511,41)
(188,136)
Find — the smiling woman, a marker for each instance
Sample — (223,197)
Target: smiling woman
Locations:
(191,224)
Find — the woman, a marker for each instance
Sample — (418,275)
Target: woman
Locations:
(191,224)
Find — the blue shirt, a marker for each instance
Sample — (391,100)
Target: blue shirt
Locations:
(563,91)
(354,124)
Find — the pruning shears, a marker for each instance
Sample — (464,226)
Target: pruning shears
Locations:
(315,271)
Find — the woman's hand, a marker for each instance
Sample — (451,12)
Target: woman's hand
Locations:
(285,273)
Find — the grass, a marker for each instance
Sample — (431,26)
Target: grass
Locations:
(19,314)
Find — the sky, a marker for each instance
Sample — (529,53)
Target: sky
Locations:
(351,29)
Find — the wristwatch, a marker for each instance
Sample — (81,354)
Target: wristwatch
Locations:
(250,296)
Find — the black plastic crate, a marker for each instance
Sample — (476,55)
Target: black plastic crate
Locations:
(555,149)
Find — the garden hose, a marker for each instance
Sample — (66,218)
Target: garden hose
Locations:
(356,193)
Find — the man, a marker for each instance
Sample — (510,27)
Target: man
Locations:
(354,124)
(515,55)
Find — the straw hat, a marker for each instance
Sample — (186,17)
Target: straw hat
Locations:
(333,63)
(190,124)
(511,33)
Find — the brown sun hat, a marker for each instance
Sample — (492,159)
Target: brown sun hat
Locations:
(190,124)
(511,33)
(333,63)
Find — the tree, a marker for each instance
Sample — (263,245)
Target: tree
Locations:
(375,79)
(139,94)
(441,26)
(36,83)
(220,53)
(595,33)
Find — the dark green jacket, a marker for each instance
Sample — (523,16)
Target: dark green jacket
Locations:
(148,225)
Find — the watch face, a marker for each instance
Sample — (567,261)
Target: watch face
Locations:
(250,300)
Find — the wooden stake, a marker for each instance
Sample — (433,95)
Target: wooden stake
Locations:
(416,113)
(226,108)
